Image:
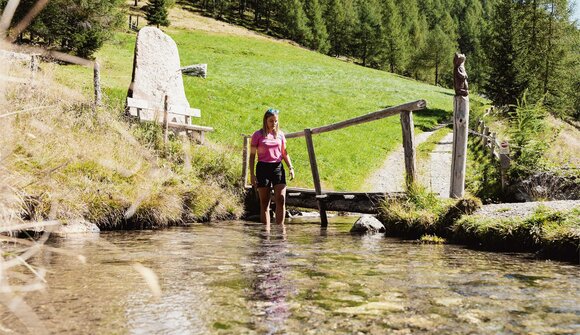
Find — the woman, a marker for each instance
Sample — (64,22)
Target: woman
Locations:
(270,145)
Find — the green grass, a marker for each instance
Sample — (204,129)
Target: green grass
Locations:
(423,213)
(550,232)
(247,75)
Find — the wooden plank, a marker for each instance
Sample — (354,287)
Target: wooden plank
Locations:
(411,106)
(137,103)
(409,147)
(190,127)
(459,150)
(184,110)
(315,176)
(245,162)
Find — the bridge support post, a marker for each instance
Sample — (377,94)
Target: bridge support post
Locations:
(409,147)
(459,155)
(316,177)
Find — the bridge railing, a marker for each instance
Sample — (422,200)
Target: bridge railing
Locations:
(406,113)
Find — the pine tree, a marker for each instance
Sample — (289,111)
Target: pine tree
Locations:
(156,13)
(319,37)
(503,84)
(369,33)
(340,17)
(394,53)
(294,19)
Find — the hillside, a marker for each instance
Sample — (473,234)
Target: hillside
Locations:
(248,73)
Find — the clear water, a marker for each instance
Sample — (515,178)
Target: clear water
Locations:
(233,278)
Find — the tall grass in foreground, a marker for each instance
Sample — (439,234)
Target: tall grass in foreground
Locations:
(61,159)
(73,161)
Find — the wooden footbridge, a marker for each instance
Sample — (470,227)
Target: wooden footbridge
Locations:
(359,202)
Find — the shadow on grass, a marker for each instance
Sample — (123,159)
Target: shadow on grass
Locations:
(428,118)
(244,21)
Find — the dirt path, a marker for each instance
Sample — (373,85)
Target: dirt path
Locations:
(391,176)
(438,171)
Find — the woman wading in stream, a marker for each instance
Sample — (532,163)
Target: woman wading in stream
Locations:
(270,145)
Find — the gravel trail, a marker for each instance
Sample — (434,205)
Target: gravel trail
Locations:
(524,209)
(391,176)
(439,169)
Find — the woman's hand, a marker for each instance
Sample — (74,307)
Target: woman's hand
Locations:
(253,179)
(291,173)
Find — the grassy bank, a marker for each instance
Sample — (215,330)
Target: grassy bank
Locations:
(548,232)
(62,159)
(246,75)
(422,216)
(424,213)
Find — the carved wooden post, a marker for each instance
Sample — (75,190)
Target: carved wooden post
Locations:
(459,151)
(460,125)
(97,83)
(316,177)
(165,118)
(409,147)
(245,161)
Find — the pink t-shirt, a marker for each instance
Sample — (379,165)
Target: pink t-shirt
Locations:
(270,149)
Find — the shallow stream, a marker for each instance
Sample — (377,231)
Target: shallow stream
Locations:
(233,278)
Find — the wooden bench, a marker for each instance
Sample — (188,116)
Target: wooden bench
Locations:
(179,118)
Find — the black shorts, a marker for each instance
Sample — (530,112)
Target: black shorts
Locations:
(270,174)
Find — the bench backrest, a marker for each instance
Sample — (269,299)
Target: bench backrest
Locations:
(149,111)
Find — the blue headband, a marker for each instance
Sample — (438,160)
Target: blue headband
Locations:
(273,111)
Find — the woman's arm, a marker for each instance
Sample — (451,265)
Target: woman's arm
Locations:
(253,151)
(286,158)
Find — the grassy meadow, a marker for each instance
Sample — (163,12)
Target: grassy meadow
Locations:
(247,75)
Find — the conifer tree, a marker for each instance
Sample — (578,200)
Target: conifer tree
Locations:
(503,84)
(369,33)
(156,13)
(295,21)
(319,36)
(340,17)
(394,37)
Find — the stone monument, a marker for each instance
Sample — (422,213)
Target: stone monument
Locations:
(157,72)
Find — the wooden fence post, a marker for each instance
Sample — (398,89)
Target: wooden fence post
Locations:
(316,177)
(485,137)
(245,161)
(459,151)
(478,126)
(409,147)
(97,83)
(492,145)
(504,162)
(165,118)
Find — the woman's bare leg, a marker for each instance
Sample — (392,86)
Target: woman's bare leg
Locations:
(280,198)
(264,193)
